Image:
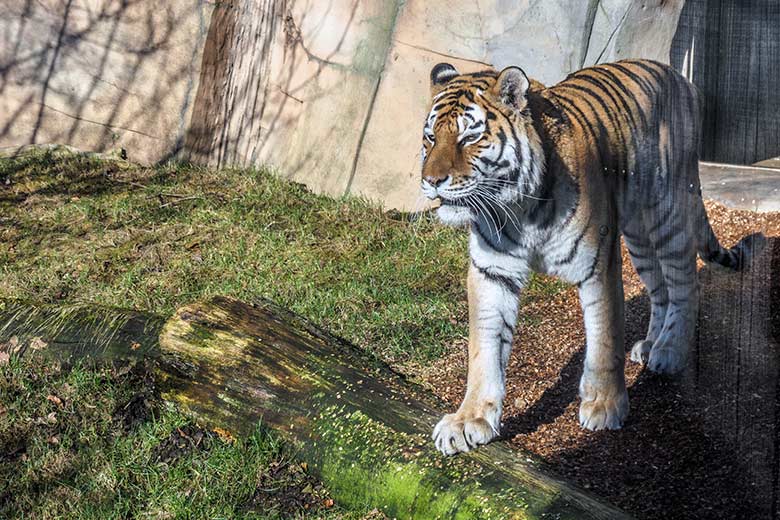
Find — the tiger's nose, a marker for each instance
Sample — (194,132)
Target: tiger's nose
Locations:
(436,181)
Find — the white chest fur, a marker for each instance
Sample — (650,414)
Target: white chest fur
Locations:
(568,253)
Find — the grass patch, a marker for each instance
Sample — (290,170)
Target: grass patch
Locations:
(78,229)
(95,443)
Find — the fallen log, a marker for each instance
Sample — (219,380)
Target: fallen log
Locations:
(79,331)
(363,428)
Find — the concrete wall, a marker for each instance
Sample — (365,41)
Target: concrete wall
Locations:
(331,92)
(100,74)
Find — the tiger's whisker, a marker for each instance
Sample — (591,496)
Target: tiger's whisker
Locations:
(489,215)
(502,205)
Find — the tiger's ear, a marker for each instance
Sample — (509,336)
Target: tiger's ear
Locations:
(511,86)
(440,75)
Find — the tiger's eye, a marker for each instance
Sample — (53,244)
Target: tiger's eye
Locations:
(471,139)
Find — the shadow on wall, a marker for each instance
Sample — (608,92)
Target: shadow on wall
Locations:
(700,445)
(324,90)
(291,84)
(98,75)
(233,109)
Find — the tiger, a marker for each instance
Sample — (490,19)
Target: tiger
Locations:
(547,180)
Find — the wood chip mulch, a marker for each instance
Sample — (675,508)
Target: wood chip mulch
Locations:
(700,445)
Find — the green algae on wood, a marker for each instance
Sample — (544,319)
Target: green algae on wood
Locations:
(362,427)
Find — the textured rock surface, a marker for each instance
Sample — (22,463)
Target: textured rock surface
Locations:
(100,74)
(633,29)
(332,93)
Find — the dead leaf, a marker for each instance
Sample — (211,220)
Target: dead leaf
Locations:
(135,345)
(224,434)
(38,344)
(5,357)
(124,370)
(54,440)
(328,502)
(49,419)
(13,345)
(54,399)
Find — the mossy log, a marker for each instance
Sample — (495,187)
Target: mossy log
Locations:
(363,428)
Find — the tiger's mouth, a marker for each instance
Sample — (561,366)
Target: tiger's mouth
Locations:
(453,202)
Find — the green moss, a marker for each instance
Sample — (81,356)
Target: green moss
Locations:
(408,478)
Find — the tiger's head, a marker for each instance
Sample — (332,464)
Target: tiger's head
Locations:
(480,148)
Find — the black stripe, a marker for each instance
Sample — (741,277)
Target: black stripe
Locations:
(507,326)
(658,288)
(573,251)
(495,164)
(642,269)
(610,115)
(510,284)
(660,76)
(619,105)
(663,239)
(594,264)
(599,138)
(616,99)
(642,83)
(489,241)
(627,94)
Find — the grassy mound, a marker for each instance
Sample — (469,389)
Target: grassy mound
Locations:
(95,443)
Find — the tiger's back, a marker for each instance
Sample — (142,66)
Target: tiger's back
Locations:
(630,122)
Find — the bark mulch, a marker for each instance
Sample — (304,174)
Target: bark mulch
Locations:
(700,445)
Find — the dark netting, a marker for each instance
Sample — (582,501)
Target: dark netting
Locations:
(731,51)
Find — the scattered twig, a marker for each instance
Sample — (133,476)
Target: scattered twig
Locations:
(174,202)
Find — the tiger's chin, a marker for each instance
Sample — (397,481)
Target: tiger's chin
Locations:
(455,216)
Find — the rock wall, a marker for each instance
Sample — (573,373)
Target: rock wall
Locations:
(330,92)
(291,84)
(548,39)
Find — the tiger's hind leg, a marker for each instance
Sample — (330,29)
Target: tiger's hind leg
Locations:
(672,236)
(647,265)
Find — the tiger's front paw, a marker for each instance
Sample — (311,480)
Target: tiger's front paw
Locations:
(600,413)
(455,433)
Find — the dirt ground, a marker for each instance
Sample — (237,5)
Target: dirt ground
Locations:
(700,445)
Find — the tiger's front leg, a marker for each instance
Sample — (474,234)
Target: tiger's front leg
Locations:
(493,298)
(603,387)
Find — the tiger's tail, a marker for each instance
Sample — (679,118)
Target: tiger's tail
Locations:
(738,257)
